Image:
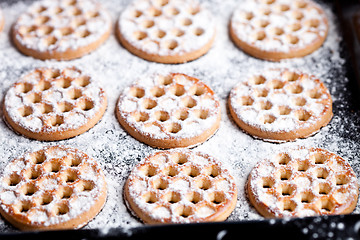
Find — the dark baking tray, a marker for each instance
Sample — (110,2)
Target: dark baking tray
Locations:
(324,227)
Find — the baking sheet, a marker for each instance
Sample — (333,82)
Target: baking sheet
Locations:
(221,68)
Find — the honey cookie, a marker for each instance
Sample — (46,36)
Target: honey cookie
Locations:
(303,182)
(180,186)
(61,29)
(278,29)
(54,104)
(280,105)
(53,188)
(166,31)
(169,110)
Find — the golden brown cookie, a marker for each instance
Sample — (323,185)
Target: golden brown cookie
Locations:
(278,29)
(303,182)
(180,186)
(169,110)
(2,21)
(280,105)
(53,188)
(166,31)
(54,104)
(61,29)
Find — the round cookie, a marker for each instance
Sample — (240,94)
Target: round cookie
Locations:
(169,110)
(303,182)
(280,105)
(278,29)
(164,31)
(61,29)
(53,188)
(180,186)
(54,104)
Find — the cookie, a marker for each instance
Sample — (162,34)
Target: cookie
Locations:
(278,29)
(280,105)
(61,29)
(164,31)
(54,104)
(303,182)
(53,188)
(2,21)
(169,110)
(180,186)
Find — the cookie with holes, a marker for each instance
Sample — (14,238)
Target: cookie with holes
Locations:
(280,105)
(180,186)
(54,104)
(169,110)
(301,182)
(55,187)
(166,31)
(61,29)
(278,29)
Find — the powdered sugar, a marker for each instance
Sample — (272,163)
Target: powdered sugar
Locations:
(221,68)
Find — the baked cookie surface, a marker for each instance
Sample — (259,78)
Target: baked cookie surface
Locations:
(303,182)
(280,105)
(166,31)
(169,110)
(61,29)
(278,29)
(54,104)
(2,20)
(179,186)
(53,188)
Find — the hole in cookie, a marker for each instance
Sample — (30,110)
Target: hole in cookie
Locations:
(86,105)
(315,94)
(154,12)
(84,33)
(58,10)
(14,180)
(247,16)
(327,205)
(87,186)
(177,90)
(295,27)
(41,9)
(283,158)
(290,76)
(182,114)
(45,199)
(197,90)
(165,80)
(302,115)
(52,167)
(194,197)
(262,23)
(25,111)
(313,23)
(140,116)
(66,31)
(38,158)
(171,44)
(42,20)
(24,207)
(51,73)
(162,116)
(276,84)
(34,97)
(324,188)
(199,31)
(63,83)
(201,113)
(277,31)
(157,91)
(79,22)
(148,24)
(57,121)
(292,39)
(302,166)
(160,34)
(267,182)
(268,119)
(75,161)
(45,30)
(65,193)
(283,110)
(179,158)
(149,198)
(75,12)
(160,184)
(299,101)
(301,4)
(173,127)
(212,171)
(70,2)
(82,81)
(265,105)
(287,190)
(192,171)
(43,86)
(246,101)
(74,93)
(137,13)
(298,15)
(173,11)
(51,40)
(65,107)
(194,10)
(288,206)
(284,8)
(257,80)
(295,89)
(24,87)
(137,92)
(32,174)
(269,2)
(178,32)
(171,171)
(28,189)
(61,209)
(24,30)
(306,197)
(204,184)
(71,177)
(139,35)
(148,171)
(189,102)
(260,36)
(186,22)
(217,197)
(162,3)
(184,211)
(172,197)
(284,174)
(149,104)
(342,179)
(321,173)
